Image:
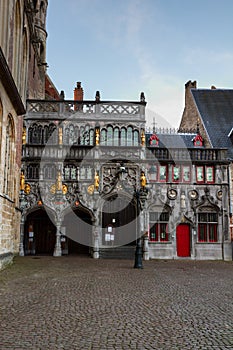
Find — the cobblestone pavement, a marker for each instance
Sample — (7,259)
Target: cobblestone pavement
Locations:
(82,303)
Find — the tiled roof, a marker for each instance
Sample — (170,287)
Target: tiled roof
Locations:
(215,107)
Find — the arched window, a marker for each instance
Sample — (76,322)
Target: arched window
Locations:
(70,172)
(129,136)
(135,138)
(8,186)
(17,44)
(109,135)
(33,171)
(116,137)
(92,137)
(103,137)
(82,138)
(123,137)
(86,135)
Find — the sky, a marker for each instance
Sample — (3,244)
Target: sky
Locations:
(124,47)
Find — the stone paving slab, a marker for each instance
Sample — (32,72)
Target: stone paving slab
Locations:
(82,303)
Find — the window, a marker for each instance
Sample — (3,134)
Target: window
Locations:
(205,174)
(135,138)
(186,174)
(209,174)
(123,137)
(158,226)
(33,171)
(207,227)
(163,173)
(8,185)
(103,137)
(129,136)
(176,173)
(116,137)
(109,135)
(50,172)
(200,173)
(152,173)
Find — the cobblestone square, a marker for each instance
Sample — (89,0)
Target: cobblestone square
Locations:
(82,303)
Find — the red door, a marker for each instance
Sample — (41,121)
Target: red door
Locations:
(183,240)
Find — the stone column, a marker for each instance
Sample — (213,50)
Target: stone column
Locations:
(57,249)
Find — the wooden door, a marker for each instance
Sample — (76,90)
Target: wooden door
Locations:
(183,240)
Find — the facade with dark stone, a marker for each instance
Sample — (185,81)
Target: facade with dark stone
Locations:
(96,181)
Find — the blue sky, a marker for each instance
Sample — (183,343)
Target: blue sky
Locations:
(123,47)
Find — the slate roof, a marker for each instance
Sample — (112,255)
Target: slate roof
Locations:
(215,107)
(174,140)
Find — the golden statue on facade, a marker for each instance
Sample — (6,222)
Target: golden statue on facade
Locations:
(143,138)
(24,136)
(22,181)
(97,180)
(143,179)
(97,137)
(60,136)
(59,182)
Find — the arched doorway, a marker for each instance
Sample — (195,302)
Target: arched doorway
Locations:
(39,234)
(119,220)
(77,226)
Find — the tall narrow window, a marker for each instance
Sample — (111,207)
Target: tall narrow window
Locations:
(135,138)
(103,137)
(129,136)
(123,137)
(109,135)
(8,187)
(116,137)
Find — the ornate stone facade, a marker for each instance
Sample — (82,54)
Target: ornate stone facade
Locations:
(97,179)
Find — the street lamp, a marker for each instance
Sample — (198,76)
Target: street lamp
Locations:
(141,196)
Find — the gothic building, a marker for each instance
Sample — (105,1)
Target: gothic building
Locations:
(22,75)
(95,181)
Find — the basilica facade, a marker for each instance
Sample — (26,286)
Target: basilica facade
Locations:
(95,181)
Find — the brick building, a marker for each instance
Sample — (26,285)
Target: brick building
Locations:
(22,75)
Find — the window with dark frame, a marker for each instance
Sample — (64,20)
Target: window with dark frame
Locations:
(208,227)
(158,227)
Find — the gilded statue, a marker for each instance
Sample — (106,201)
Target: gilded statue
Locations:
(97,137)
(97,180)
(143,179)
(24,136)
(60,136)
(22,181)
(143,138)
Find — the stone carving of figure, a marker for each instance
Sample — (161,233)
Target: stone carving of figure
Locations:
(97,180)
(97,136)
(22,181)
(59,182)
(143,138)
(143,180)
(60,136)
(24,136)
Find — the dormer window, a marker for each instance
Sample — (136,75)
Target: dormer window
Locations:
(154,140)
(198,141)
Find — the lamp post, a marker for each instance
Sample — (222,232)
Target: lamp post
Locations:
(138,252)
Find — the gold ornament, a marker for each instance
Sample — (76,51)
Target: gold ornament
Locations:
(91,189)
(143,138)
(97,137)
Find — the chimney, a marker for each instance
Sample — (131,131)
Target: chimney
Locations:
(78,92)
